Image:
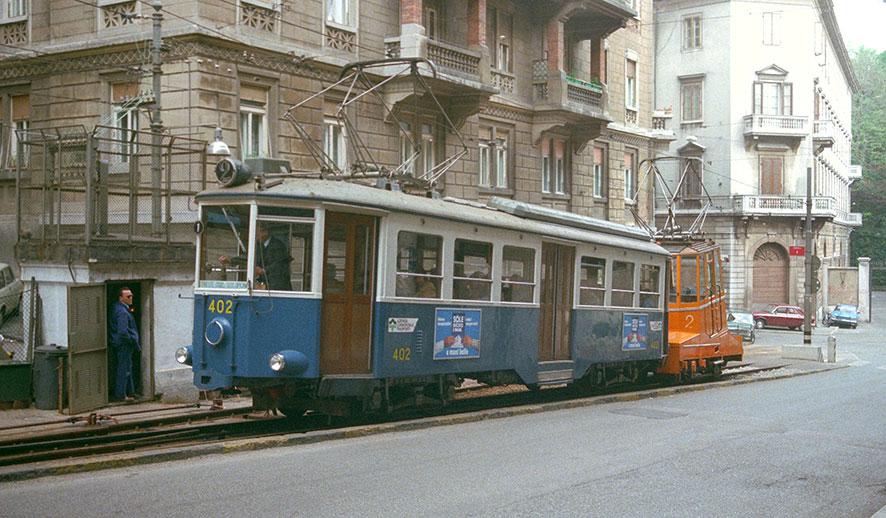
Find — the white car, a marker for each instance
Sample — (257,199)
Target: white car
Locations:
(10,292)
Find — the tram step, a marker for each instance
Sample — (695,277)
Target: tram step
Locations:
(554,377)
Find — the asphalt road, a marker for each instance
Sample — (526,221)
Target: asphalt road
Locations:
(807,446)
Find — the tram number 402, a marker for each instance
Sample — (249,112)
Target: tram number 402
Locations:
(402,354)
(222,307)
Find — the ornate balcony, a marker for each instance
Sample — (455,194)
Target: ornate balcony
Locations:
(504,81)
(776,127)
(562,100)
(855,172)
(768,205)
(459,75)
(823,133)
(850,219)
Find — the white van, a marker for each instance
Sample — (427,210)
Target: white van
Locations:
(10,292)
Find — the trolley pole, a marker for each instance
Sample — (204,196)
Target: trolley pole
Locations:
(808,307)
(156,122)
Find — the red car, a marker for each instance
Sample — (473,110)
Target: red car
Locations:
(780,316)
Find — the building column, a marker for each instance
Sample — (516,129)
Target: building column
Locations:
(477,23)
(477,37)
(555,35)
(864,288)
(413,42)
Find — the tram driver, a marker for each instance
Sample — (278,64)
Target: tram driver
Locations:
(272,258)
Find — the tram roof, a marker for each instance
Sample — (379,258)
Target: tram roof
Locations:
(569,227)
(689,246)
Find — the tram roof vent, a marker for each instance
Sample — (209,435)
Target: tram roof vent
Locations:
(268,166)
(569,219)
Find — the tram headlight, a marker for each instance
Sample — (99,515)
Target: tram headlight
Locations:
(183,355)
(231,173)
(288,361)
(277,362)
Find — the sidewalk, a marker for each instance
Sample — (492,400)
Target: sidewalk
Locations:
(20,421)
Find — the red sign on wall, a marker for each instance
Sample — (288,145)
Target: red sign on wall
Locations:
(797,250)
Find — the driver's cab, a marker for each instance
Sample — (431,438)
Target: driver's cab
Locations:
(249,247)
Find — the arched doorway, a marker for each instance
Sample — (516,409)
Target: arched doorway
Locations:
(771,269)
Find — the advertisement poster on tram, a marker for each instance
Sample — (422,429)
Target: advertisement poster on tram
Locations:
(635,332)
(457,334)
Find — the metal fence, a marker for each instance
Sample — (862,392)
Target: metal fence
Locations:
(110,182)
(20,327)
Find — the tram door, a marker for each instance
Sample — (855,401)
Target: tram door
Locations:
(557,278)
(349,259)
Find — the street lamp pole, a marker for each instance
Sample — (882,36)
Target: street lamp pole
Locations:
(809,306)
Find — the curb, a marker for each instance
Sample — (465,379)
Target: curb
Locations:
(123,460)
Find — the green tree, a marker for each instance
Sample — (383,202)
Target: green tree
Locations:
(869,150)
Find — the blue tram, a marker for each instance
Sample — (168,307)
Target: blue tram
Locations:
(337,297)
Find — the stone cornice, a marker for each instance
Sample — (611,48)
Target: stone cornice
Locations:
(826,8)
(179,48)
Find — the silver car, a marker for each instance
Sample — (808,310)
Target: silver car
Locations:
(741,323)
(10,292)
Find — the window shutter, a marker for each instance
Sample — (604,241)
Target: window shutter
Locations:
(21,107)
(758,97)
(254,94)
(788,99)
(120,92)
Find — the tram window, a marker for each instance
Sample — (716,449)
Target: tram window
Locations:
(649,286)
(712,274)
(705,274)
(622,284)
(283,255)
(223,247)
(518,274)
(688,280)
(592,287)
(472,276)
(418,265)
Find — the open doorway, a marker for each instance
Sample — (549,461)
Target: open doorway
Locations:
(138,309)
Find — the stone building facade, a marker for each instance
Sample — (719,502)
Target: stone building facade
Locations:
(761,91)
(553,100)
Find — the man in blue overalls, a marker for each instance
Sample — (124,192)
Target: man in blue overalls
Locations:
(123,338)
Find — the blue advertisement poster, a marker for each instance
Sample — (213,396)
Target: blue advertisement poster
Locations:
(635,332)
(457,334)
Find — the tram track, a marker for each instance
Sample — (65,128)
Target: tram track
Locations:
(243,424)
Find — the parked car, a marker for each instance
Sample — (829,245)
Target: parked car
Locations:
(779,315)
(843,315)
(741,323)
(10,292)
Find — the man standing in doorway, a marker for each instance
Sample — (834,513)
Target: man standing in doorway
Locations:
(123,337)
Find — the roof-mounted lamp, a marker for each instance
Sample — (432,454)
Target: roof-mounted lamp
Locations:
(218,147)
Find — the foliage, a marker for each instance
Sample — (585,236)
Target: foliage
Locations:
(869,150)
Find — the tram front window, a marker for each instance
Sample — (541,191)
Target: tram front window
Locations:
(284,249)
(223,244)
(688,279)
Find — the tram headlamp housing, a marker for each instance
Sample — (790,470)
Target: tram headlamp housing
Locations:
(277,362)
(288,361)
(231,173)
(183,355)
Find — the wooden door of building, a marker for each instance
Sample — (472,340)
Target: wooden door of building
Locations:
(771,274)
(557,279)
(349,259)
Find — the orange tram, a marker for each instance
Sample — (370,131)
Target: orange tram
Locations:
(699,341)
